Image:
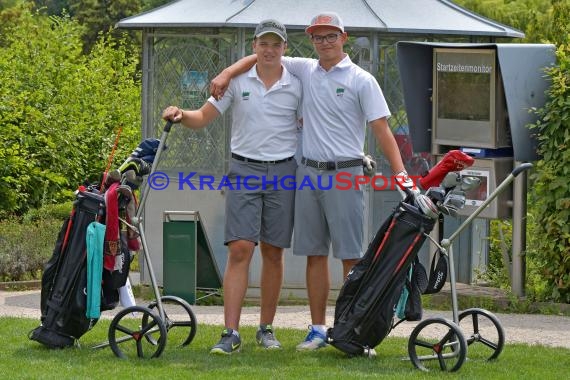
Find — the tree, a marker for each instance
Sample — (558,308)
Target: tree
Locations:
(53,7)
(101,16)
(529,16)
(98,16)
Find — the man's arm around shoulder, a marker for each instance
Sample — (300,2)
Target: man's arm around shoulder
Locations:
(220,83)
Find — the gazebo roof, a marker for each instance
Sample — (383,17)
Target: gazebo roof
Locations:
(390,16)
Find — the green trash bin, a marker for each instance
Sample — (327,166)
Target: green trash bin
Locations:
(188,261)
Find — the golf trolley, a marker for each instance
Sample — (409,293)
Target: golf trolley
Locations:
(387,283)
(469,327)
(142,331)
(89,267)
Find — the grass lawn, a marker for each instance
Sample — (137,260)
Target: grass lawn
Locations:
(21,358)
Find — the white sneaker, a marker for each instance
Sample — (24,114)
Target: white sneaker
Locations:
(314,340)
(369,353)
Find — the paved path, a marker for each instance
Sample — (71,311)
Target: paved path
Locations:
(545,330)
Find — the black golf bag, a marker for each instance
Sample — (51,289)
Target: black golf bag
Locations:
(365,307)
(63,295)
(65,286)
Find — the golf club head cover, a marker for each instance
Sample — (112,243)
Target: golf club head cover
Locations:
(147,150)
(139,166)
(453,161)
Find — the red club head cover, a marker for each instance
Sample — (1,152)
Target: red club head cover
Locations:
(453,161)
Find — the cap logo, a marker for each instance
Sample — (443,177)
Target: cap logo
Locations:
(323,19)
(270,24)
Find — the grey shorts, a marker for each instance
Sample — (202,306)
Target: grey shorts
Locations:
(327,214)
(259,208)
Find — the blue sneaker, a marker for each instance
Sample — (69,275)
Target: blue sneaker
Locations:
(314,340)
(229,343)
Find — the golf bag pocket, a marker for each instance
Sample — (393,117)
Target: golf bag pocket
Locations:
(409,305)
(117,277)
(438,273)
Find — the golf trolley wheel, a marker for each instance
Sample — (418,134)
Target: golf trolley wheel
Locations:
(177,313)
(482,326)
(437,340)
(137,331)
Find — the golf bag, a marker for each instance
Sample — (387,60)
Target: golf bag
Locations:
(63,295)
(79,282)
(365,307)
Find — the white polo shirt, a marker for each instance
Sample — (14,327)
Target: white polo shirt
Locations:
(264,122)
(337,105)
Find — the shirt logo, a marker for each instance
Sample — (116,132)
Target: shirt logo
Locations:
(340,91)
(245,95)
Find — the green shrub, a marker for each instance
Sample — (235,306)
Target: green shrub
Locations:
(50,211)
(551,194)
(498,272)
(25,247)
(60,110)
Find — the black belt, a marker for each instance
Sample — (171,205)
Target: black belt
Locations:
(331,165)
(245,159)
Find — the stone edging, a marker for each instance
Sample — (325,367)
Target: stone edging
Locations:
(21,285)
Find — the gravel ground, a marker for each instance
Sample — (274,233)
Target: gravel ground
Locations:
(547,330)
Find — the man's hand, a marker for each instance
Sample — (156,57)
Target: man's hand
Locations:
(219,85)
(405,182)
(172,113)
(369,166)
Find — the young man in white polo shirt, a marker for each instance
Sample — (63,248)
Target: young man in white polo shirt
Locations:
(265,117)
(339,99)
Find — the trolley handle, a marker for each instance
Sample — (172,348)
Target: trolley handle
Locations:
(168,126)
(521,168)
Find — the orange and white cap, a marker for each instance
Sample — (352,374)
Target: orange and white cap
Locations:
(329,19)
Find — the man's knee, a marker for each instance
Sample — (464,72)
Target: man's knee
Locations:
(240,251)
